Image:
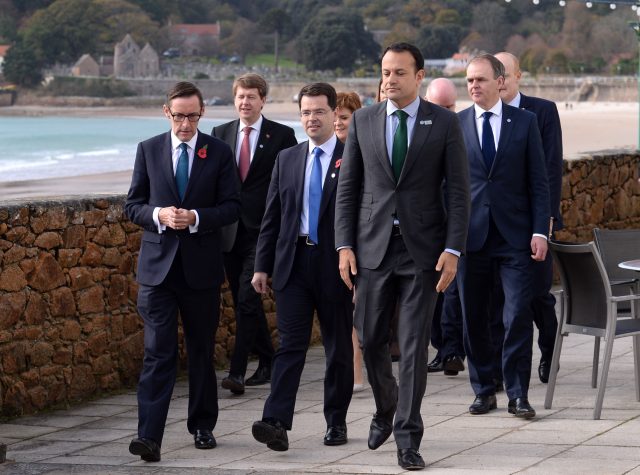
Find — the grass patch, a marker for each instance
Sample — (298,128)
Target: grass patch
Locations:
(269,60)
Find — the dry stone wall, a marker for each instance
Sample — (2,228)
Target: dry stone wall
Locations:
(69,328)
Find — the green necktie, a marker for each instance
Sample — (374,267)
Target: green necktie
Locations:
(399,150)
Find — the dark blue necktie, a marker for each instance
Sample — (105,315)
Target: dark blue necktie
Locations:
(315,194)
(488,144)
(182,170)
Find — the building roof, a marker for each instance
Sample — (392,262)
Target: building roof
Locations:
(4,49)
(209,29)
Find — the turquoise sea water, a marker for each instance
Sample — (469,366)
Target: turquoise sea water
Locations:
(50,147)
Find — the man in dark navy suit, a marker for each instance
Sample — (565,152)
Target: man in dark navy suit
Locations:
(296,247)
(507,232)
(256,142)
(184,188)
(543,304)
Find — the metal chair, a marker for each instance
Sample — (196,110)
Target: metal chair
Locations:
(590,308)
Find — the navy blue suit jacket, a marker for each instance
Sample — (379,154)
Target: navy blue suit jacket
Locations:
(278,238)
(549,124)
(212,190)
(515,192)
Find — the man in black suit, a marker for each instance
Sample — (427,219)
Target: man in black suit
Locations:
(391,217)
(256,142)
(184,189)
(543,304)
(508,228)
(296,247)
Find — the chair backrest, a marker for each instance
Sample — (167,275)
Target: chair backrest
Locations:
(585,284)
(616,246)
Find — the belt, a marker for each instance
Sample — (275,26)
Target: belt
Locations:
(396,231)
(304,239)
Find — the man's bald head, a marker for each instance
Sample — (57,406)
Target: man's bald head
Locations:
(512,76)
(442,92)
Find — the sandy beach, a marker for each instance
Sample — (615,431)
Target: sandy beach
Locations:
(587,127)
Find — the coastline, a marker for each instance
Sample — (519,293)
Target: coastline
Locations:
(587,127)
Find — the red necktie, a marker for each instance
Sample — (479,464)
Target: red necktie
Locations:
(245,154)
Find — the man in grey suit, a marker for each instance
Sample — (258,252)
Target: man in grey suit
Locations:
(397,236)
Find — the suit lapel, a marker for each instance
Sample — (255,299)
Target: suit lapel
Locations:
(377,125)
(421,130)
(166,162)
(196,167)
(331,178)
(261,146)
(468,123)
(505,133)
(298,170)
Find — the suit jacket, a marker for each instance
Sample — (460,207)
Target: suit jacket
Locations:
(253,191)
(368,196)
(515,192)
(278,238)
(549,124)
(212,190)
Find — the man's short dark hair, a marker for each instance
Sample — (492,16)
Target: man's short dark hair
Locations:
(251,81)
(319,89)
(415,52)
(496,64)
(184,89)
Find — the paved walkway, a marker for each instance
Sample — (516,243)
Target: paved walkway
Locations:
(93,438)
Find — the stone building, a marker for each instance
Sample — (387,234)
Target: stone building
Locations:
(195,40)
(86,66)
(129,61)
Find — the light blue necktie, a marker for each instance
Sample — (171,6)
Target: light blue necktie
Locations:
(182,171)
(315,194)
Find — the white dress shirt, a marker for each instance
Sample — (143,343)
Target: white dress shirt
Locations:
(175,156)
(325,160)
(393,122)
(253,139)
(495,120)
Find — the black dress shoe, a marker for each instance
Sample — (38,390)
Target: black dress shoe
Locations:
(520,407)
(336,435)
(379,431)
(234,383)
(261,376)
(410,459)
(204,439)
(435,366)
(483,404)
(543,370)
(147,449)
(452,365)
(271,432)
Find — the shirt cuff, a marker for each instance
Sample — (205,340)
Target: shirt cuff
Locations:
(193,228)
(453,251)
(343,247)
(156,220)
(541,235)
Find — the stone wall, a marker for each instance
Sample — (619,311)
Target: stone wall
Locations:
(69,328)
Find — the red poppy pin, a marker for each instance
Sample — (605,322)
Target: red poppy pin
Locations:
(338,163)
(202,153)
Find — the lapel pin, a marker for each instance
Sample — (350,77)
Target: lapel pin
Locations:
(333,175)
(508,120)
(267,136)
(261,146)
(426,122)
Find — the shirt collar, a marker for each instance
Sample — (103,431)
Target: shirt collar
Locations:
(175,141)
(411,109)
(327,147)
(515,102)
(255,126)
(496,109)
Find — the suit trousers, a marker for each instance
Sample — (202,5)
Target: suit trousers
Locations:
(451,322)
(397,279)
(199,312)
(476,281)
(252,331)
(295,305)
(543,306)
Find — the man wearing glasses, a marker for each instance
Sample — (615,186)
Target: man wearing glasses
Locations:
(296,247)
(183,190)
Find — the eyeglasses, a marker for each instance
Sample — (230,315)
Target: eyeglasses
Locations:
(317,113)
(195,117)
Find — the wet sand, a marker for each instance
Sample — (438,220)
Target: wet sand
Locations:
(587,127)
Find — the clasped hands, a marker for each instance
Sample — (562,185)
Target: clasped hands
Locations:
(176,218)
